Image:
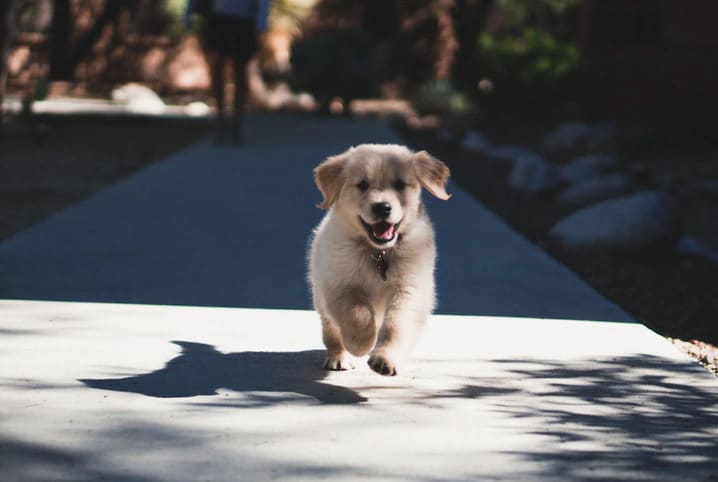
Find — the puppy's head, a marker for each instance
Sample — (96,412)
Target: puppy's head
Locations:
(375,190)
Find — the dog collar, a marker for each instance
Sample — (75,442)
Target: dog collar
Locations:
(381,264)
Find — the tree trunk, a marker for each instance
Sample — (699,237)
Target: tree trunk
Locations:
(66,56)
(60,68)
(470,20)
(6,35)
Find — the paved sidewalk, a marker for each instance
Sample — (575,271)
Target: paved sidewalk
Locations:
(215,226)
(101,380)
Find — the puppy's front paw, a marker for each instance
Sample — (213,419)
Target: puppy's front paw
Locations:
(338,362)
(381,364)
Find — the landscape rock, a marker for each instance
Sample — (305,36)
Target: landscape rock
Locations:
(567,135)
(602,136)
(509,152)
(531,173)
(139,99)
(693,247)
(475,141)
(574,134)
(302,101)
(596,189)
(587,166)
(197,109)
(646,222)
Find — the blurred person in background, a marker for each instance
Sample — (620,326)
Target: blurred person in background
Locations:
(230,34)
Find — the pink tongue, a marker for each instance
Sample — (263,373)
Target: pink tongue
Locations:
(383,230)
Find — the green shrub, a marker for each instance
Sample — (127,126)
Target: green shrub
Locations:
(439,97)
(532,58)
(173,12)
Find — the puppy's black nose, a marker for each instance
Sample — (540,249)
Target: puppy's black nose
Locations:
(381,210)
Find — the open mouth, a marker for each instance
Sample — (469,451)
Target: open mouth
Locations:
(381,232)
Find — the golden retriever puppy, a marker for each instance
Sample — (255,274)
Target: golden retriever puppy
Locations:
(371,260)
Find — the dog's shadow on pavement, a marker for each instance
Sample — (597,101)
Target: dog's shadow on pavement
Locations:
(201,369)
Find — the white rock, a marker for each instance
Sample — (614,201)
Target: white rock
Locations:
(139,99)
(531,173)
(596,189)
(303,101)
(197,109)
(643,222)
(509,152)
(475,141)
(587,166)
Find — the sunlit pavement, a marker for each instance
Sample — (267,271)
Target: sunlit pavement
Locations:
(101,379)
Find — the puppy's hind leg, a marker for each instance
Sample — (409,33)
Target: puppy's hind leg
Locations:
(338,359)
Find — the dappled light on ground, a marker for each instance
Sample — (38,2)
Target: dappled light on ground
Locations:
(97,390)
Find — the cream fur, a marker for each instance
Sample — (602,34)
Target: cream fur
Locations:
(360,312)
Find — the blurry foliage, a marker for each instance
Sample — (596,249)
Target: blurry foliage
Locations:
(529,51)
(32,16)
(519,13)
(417,36)
(439,97)
(348,63)
(174,11)
(533,57)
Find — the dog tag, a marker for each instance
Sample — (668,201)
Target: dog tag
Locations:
(381,264)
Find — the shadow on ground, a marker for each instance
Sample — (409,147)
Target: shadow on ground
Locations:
(263,377)
(630,415)
(27,461)
(599,420)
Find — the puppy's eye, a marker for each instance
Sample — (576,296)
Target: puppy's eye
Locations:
(399,185)
(363,186)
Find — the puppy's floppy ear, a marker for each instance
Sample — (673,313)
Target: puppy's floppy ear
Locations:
(329,179)
(432,174)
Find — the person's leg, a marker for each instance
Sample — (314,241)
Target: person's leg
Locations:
(241,93)
(216,68)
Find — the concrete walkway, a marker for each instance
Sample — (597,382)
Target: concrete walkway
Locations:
(216,226)
(100,380)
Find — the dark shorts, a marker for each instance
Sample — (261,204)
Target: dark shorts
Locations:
(234,37)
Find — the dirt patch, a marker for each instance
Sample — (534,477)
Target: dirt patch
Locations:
(57,161)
